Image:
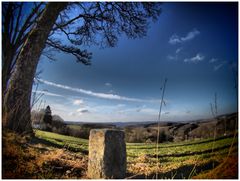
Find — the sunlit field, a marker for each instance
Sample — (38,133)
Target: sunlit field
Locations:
(180,160)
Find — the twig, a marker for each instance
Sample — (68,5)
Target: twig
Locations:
(159,117)
(194,168)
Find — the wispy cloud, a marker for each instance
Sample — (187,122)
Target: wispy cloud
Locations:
(79,112)
(192,34)
(199,57)
(176,54)
(179,50)
(166,113)
(171,57)
(82,110)
(43,92)
(94,94)
(217,67)
(108,84)
(111,91)
(78,102)
(217,63)
(213,60)
(175,39)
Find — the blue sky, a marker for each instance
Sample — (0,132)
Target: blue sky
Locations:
(193,45)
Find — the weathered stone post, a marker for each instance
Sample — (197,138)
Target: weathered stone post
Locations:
(107,154)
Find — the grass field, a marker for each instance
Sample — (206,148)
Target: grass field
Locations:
(176,160)
(62,141)
(74,126)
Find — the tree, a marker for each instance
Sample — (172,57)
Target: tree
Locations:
(98,23)
(15,30)
(16,110)
(37,117)
(162,136)
(17,24)
(47,115)
(47,119)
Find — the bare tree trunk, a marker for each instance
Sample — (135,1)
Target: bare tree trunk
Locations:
(16,109)
(6,70)
(7,51)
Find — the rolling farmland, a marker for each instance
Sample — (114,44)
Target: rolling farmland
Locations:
(176,160)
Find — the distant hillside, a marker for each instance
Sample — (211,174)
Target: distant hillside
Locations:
(222,125)
(92,125)
(110,124)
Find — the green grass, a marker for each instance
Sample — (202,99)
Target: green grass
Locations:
(177,149)
(69,142)
(194,154)
(75,127)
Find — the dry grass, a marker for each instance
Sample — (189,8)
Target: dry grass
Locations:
(17,160)
(24,160)
(63,164)
(25,157)
(184,167)
(226,170)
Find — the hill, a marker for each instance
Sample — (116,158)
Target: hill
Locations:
(222,125)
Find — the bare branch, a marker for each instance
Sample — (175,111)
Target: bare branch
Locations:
(17,22)
(81,56)
(28,22)
(61,26)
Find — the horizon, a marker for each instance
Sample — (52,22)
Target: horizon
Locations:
(193,45)
(144,122)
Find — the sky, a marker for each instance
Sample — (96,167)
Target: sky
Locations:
(193,45)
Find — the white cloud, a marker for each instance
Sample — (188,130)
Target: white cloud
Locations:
(213,60)
(199,57)
(217,67)
(95,94)
(191,35)
(175,39)
(78,102)
(43,92)
(79,112)
(82,110)
(103,113)
(148,111)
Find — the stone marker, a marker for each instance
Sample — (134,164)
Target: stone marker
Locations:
(107,154)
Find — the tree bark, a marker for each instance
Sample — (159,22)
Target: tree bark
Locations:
(16,109)
(6,70)
(7,50)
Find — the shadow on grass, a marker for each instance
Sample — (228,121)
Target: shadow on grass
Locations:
(36,140)
(192,153)
(185,144)
(184,172)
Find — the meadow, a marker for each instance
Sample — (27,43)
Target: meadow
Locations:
(182,160)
